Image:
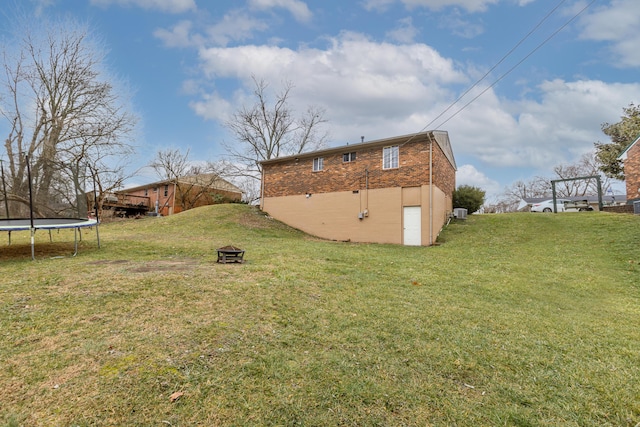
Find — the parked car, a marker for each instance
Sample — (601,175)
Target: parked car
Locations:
(547,205)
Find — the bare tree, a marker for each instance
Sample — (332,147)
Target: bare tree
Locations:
(195,183)
(586,166)
(59,106)
(106,177)
(170,164)
(519,190)
(539,187)
(266,130)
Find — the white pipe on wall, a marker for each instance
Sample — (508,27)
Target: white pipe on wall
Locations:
(430,189)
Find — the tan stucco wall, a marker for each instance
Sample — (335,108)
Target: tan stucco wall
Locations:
(335,215)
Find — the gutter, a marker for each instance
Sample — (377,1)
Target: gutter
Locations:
(262,188)
(430,189)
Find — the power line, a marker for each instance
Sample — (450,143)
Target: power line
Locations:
(522,40)
(545,41)
(534,29)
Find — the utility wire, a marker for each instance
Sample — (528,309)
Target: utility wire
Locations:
(522,40)
(534,29)
(545,41)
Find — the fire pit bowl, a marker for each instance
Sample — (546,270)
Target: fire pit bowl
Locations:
(229,254)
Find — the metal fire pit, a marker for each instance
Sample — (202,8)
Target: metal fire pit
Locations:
(229,254)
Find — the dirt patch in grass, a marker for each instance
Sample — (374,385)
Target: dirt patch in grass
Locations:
(187,264)
(165,265)
(109,262)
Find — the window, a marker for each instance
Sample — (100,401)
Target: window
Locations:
(146,192)
(349,157)
(318,164)
(390,157)
(166,190)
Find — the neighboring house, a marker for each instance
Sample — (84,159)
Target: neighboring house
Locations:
(397,190)
(172,196)
(631,160)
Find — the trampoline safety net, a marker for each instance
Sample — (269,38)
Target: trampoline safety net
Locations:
(38,193)
(55,189)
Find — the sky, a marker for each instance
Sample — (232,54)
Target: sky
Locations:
(534,80)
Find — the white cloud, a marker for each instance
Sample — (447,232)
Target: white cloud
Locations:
(456,24)
(468,5)
(405,32)
(469,175)
(212,106)
(170,6)
(297,8)
(560,127)
(178,36)
(616,23)
(234,26)
(380,89)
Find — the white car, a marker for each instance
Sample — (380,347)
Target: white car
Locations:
(547,205)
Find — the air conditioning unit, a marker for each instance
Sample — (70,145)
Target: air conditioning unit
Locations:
(460,213)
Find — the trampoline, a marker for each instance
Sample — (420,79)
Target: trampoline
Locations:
(22,224)
(51,198)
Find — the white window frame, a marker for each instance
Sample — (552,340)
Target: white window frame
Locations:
(391,157)
(318,164)
(349,157)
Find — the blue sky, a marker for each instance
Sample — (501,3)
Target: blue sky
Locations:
(379,68)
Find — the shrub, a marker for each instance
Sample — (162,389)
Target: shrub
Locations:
(468,197)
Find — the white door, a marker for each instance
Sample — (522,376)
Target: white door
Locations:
(412,234)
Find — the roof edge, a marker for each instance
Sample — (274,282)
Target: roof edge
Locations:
(181,180)
(441,137)
(623,155)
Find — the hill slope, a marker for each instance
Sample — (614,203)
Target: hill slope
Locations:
(516,319)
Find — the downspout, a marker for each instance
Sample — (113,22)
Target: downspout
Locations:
(430,189)
(367,188)
(262,188)
(173,203)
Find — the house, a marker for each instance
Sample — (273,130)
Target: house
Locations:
(172,196)
(631,160)
(396,190)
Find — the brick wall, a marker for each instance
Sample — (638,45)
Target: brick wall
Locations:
(618,209)
(297,177)
(632,172)
(444,175)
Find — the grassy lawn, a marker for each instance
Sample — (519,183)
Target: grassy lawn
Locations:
(513,320)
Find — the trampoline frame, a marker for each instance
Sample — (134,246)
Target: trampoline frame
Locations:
(21,224)
(32,223)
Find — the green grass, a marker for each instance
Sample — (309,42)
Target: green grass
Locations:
(513,320)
